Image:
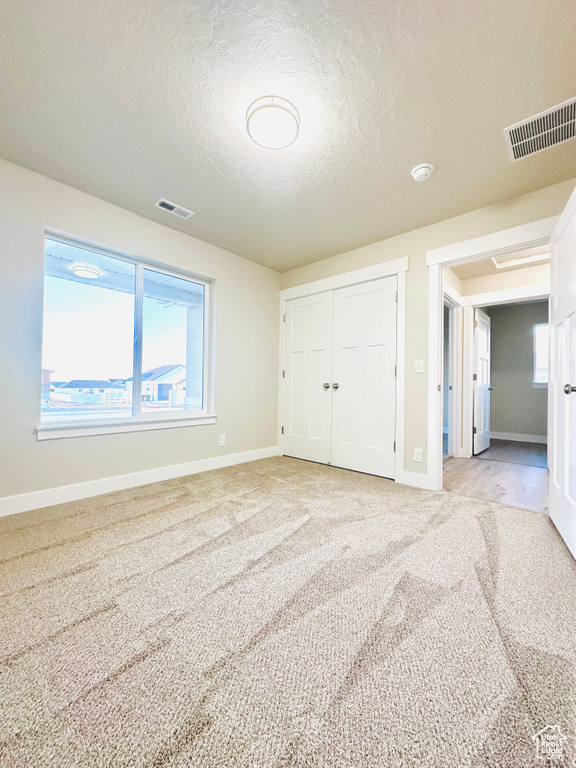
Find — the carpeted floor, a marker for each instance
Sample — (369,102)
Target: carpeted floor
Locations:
(283,614)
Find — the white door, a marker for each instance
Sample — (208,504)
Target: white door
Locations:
(363,380)
(562,384)
(482,382)
(308,377)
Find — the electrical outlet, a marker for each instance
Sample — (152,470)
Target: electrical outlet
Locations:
(418,366)
(222,442)
(418,454)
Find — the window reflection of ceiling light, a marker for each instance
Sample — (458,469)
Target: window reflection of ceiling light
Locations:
(84,270)
(522,260)
(272,122)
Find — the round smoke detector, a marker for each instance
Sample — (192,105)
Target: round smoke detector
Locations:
(422,171)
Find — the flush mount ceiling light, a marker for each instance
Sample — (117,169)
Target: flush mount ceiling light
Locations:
(83,270)
(523,260)
(272,122)
(422,171)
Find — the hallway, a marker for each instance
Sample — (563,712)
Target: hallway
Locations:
(505,482)
(515,452)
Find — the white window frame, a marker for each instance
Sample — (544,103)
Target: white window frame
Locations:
(142,421)
(539,384)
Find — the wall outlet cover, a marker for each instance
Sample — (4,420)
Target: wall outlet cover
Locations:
(222,441)
(418,366)
(418,454)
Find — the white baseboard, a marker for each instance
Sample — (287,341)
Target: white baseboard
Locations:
(416,480)
(11,505)
(519,437)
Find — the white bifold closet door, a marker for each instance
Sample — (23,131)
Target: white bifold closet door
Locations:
(340,385)
(308,371)
(363,367)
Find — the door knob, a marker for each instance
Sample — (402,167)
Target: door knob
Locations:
(335,386)
(326,385)
(568,389)
(491,389)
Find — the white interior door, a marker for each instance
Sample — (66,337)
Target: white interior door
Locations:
(363,381)
(308,377)
(562,384)
(482,383)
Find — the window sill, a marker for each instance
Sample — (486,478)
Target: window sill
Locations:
(79,429)
(540,385)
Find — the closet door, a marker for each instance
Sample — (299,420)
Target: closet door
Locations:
(308,377)
(364,377)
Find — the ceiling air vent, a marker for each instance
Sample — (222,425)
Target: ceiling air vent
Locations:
(554,126)
(177,210)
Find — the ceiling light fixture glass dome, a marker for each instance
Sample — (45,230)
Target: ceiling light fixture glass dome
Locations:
(272,122)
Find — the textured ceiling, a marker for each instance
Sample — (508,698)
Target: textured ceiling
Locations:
(138,99)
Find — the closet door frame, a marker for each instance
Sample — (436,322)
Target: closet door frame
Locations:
(397,267)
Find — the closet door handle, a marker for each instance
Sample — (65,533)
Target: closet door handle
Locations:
(326,385)
(335,386)
(569,388)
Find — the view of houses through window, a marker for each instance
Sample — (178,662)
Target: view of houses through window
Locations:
(120,339)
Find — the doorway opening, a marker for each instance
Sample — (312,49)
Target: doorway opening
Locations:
(503,359)
(558,234)
(518,383)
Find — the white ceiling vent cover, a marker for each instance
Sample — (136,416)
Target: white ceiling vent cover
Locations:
(177,210)
(554,126)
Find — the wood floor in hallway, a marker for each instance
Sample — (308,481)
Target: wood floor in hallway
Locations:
(507,483)
(515,452)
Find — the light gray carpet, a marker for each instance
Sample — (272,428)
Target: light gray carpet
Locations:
(283,614)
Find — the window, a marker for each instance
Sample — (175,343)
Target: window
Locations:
(122,342)
(541,345)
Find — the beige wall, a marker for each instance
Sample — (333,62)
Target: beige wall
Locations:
(452,279)
(515,405)
(521,210)
(246,328)
(519,278)
(246,340)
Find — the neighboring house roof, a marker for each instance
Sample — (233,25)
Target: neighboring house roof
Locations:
(156,373)
(162,370)
(88,384)
(58,383)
